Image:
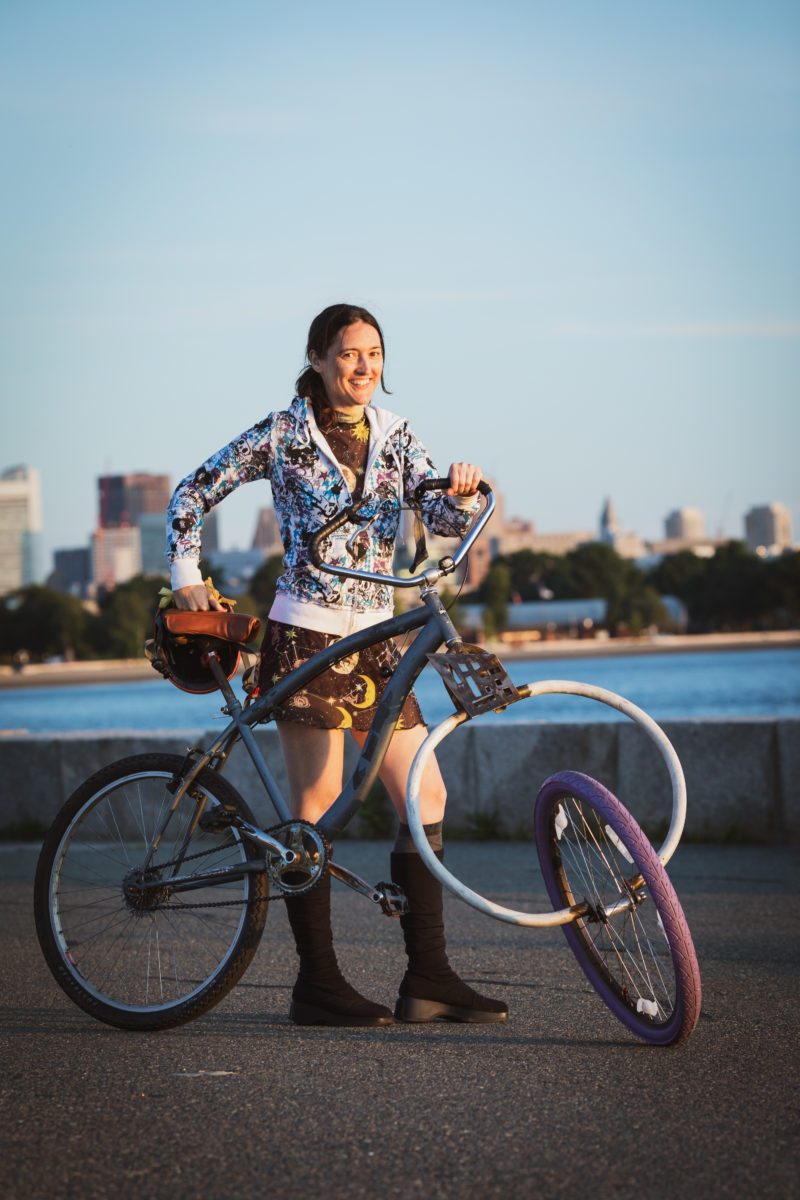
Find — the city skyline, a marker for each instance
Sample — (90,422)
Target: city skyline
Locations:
(576,224)
(128,536)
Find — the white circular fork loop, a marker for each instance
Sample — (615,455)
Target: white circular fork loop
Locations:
(545,687)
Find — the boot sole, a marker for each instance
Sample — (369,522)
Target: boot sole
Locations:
(414,1011)
(312,1014)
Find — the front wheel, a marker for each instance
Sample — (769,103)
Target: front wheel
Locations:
(130,923)
(629,935)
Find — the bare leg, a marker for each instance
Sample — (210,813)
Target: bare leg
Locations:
(313,760)
(396,768)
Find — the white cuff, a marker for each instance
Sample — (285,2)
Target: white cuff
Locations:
(465,502)
(185,572)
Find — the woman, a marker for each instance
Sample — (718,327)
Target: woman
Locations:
(331,447)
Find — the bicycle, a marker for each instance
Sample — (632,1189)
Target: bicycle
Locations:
(152,886)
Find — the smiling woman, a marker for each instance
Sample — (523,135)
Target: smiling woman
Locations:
(332,448)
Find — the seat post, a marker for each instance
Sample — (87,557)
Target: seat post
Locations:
(215,667)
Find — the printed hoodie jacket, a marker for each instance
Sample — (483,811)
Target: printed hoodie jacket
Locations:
(308,489)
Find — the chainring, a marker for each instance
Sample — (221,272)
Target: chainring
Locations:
(312,853)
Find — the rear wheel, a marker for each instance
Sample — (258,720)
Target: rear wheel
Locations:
(123,940)
(630,935)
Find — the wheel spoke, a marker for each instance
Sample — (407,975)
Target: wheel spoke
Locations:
(596,858)
(116,937)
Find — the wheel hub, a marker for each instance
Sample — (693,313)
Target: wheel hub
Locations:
(139,894)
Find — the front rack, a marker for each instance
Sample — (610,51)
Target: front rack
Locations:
(476,679)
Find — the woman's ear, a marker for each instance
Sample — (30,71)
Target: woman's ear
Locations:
(314,361)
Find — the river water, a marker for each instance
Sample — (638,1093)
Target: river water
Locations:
(722,683)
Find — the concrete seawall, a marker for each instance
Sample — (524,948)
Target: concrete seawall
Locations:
(743,776)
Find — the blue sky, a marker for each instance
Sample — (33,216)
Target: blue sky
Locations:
(577,223)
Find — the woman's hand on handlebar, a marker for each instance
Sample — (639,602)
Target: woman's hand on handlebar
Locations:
(195,598)
(464,479)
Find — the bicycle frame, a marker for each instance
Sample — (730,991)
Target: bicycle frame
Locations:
(435,628)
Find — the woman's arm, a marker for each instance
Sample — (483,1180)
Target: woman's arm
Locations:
(244,459)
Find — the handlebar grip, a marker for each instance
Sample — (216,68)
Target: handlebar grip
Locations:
(341,518)
(441,485)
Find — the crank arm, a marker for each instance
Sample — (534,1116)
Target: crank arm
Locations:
(391,898)
(355,882)
(271,844)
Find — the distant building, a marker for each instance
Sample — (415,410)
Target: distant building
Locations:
(116,555)
(123,499)
(20,528)
(768,529)
(237,566)
(131,528)
(153,543)
(685,524)
(267,536)
(540,619)
(210,532)
(628,545)
(72,571)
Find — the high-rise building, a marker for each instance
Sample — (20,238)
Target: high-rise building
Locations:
(116,555)
(210,532)
(267,536)
(131,527)
(768,528)
(125,498)
(687,524)
(20,528)
(72,571)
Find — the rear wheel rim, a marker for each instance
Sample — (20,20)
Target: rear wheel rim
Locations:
(152,955)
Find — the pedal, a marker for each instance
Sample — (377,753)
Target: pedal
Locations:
(218,819)
(393,900)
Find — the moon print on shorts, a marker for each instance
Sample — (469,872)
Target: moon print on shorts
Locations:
(343,697)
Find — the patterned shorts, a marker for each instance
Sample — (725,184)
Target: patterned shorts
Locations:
(343,697)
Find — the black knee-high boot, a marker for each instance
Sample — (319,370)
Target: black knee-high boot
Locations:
(321,995)
(430,987)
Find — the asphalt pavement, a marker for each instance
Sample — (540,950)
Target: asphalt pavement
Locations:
(559,1101)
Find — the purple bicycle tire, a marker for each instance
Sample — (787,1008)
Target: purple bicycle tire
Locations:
(682,1019)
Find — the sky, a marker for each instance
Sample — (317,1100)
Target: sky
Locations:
(577,223)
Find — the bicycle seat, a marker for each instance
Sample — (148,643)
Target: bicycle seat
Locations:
(227,626)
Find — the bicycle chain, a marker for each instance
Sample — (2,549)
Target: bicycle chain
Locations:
(239,903)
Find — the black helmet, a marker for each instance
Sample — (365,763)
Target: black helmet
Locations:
(180,647)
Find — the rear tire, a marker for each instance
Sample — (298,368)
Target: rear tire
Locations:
(146,958)
(640,959)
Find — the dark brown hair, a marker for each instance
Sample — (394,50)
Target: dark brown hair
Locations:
(323,330)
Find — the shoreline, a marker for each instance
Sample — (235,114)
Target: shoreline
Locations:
(134,670)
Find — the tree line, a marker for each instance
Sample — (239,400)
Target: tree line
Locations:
(42,623)
(735,590)
(732,591)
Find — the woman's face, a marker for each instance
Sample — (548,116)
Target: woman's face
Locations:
(351,367)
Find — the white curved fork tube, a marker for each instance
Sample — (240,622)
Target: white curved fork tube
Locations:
(655,732)
(545,687)
(512,916)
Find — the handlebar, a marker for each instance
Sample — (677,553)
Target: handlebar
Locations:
(446,565)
